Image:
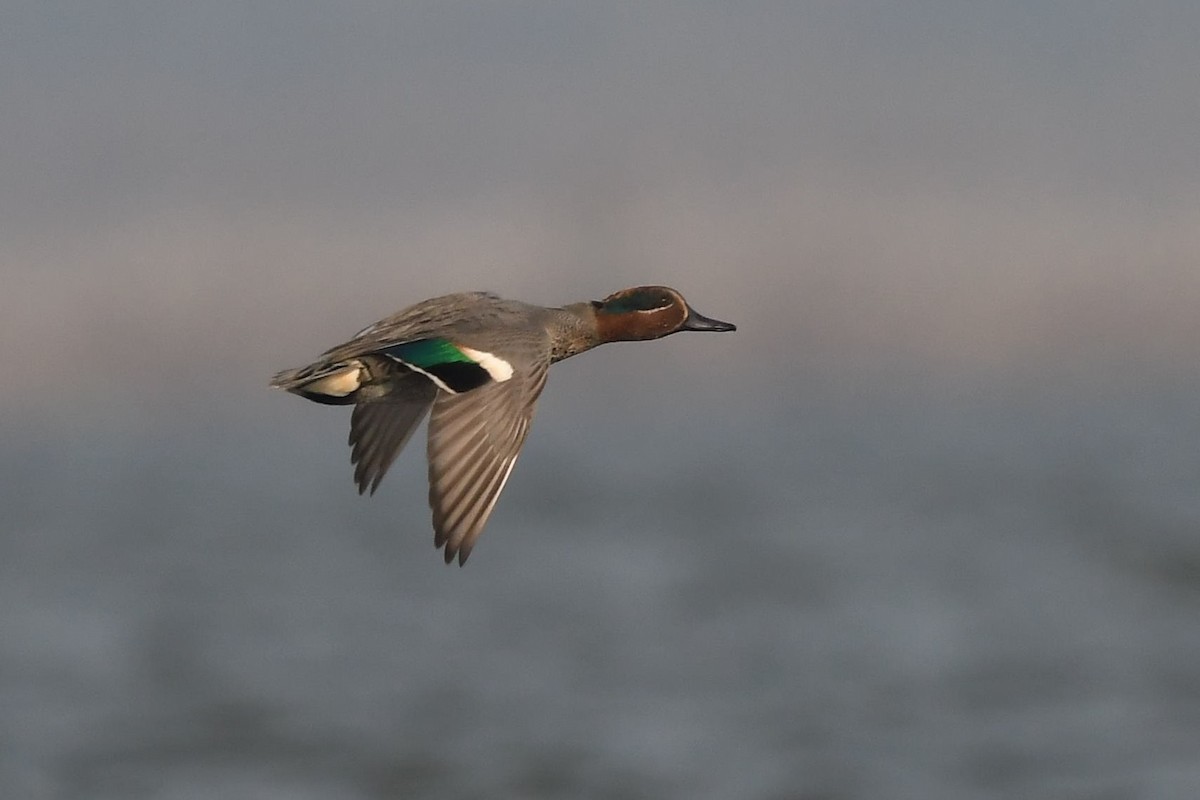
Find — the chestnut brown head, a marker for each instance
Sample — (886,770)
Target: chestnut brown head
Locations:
(649,312)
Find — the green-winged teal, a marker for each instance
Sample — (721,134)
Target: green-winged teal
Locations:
(480,363)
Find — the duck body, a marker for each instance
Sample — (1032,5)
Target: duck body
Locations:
(476,363)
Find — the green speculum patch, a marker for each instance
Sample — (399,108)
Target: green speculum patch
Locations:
(426,353)
(441,359)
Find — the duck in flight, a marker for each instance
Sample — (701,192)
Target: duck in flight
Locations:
(476,364)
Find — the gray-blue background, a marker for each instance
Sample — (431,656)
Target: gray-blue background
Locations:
(926,526)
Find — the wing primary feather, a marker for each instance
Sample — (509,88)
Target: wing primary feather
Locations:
(475,439)
(378,432)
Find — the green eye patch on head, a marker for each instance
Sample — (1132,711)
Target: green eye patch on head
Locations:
(642,300)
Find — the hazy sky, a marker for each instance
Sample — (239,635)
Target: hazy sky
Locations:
(227,188)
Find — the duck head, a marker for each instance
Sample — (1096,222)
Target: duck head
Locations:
(649,312)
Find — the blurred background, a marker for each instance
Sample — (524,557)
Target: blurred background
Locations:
(926,526)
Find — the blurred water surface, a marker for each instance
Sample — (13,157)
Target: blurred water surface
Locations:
(885,593)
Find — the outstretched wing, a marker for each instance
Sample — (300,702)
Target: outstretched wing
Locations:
(474,440)
(380,429)
(382,425)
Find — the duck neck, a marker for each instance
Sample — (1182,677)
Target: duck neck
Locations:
(574,330)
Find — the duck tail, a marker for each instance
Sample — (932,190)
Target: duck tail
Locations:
(334,384)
